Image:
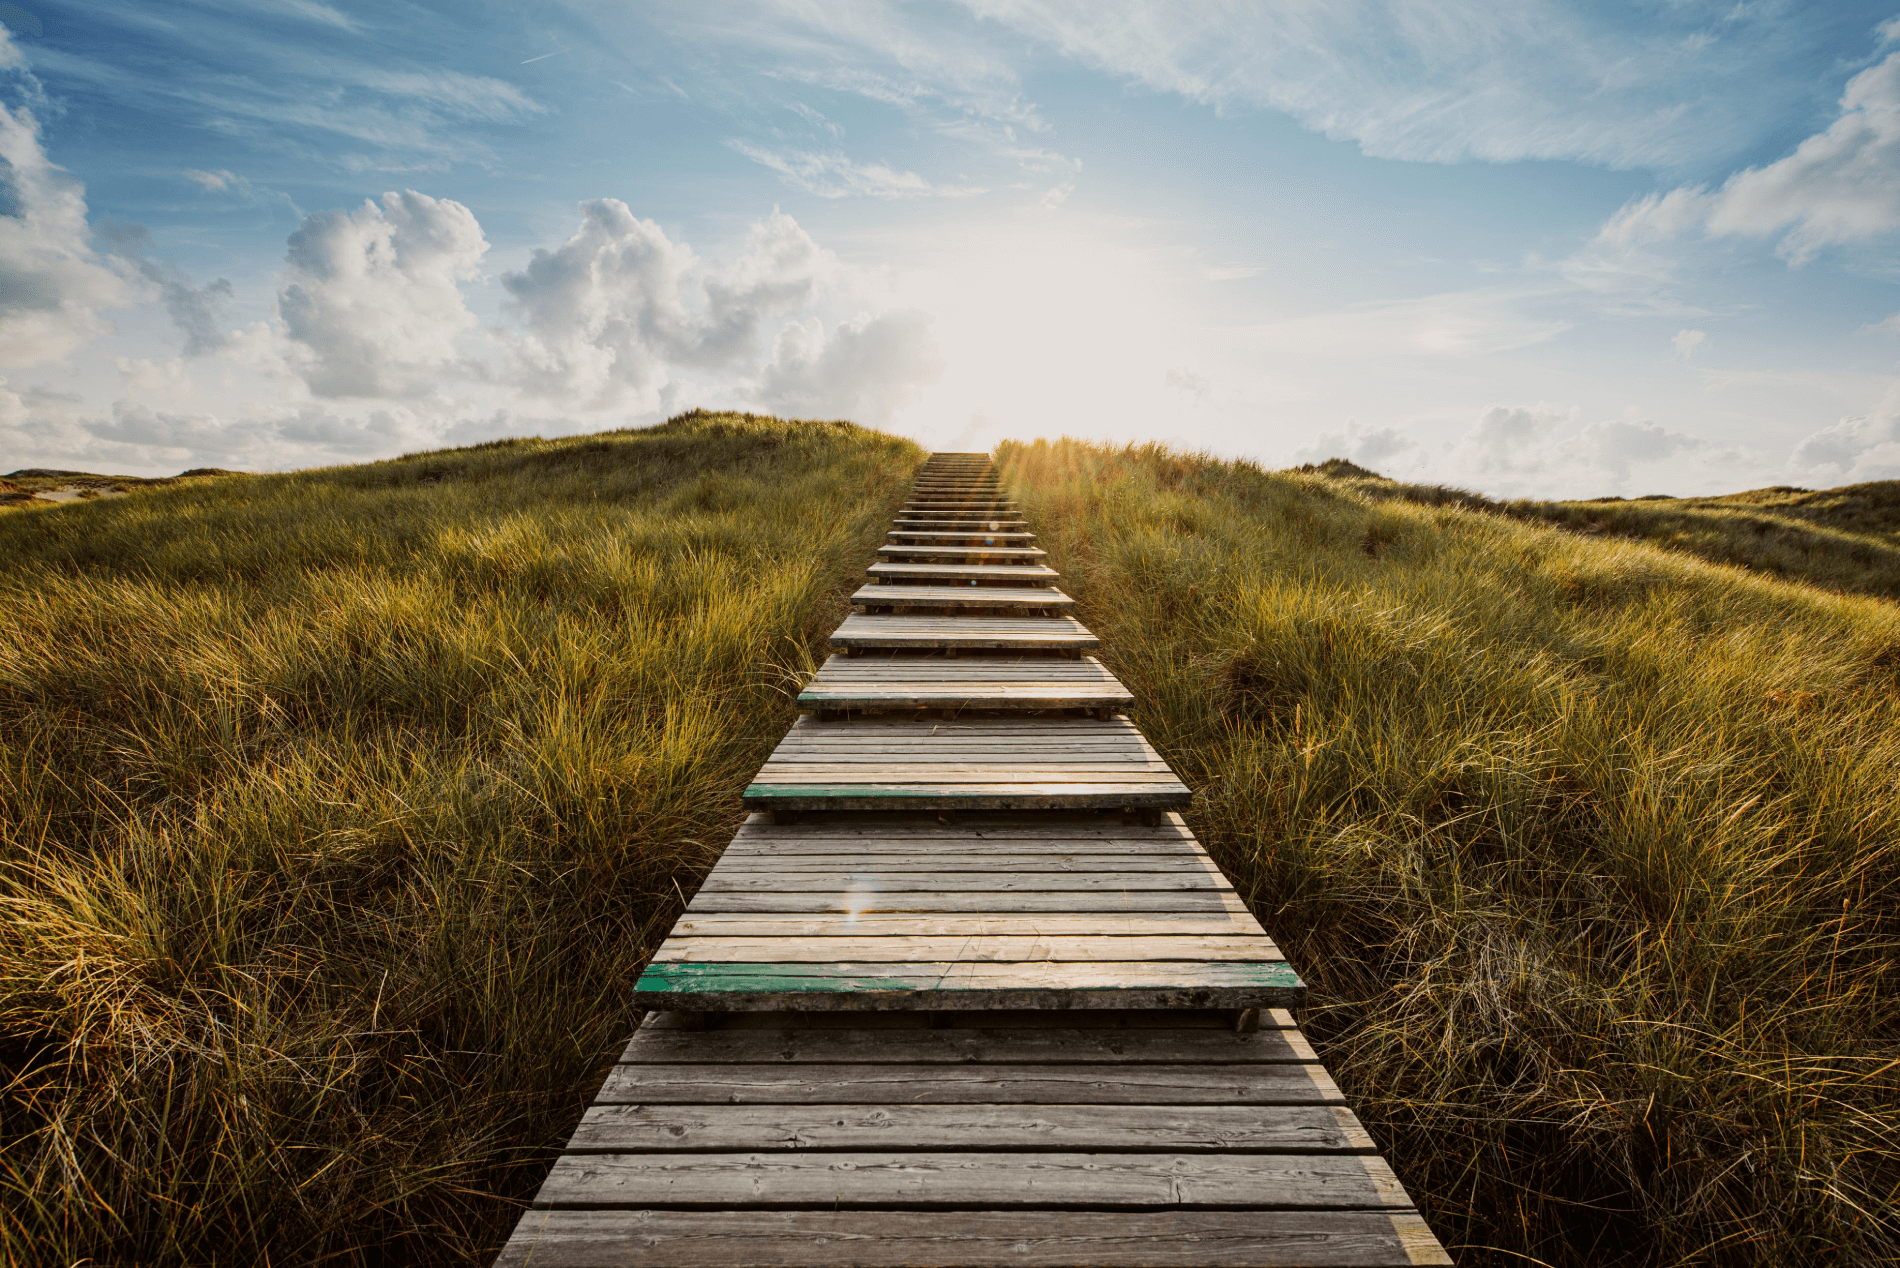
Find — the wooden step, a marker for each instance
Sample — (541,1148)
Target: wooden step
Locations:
(869,952)
(869,684)
(945,553)
(787,1140)
(973,536)
(999,764)
(978,574)
(993,599)
(963,634)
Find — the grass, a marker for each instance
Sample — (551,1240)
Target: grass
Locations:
(1589,849)
(338,811)
(1845,539)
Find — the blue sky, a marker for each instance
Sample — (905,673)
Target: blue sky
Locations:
(1521,247)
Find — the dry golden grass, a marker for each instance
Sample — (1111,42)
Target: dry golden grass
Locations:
(339,810)
(1590,850)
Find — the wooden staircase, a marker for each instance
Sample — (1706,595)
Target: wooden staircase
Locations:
(964,989)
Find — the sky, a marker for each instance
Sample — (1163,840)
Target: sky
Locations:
(1525,248)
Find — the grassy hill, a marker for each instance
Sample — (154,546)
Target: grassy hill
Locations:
(1589,849)
(338,811)
(1845,539)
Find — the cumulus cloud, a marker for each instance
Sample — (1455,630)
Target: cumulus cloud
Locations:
(867,371)
(1840,185)
(1689,342)
(1511,439)
(1381,449)
(374,301)
(603,315)
(1865,447)
(53,284)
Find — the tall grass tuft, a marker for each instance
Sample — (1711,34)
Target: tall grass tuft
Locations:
(1589,850)
(339,810)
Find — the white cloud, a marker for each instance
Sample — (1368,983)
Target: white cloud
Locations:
(1689,342)
(1510,440)
(1866,447)
(374,301)
(1614,447)
(1381,449)
(867,371)
(603,315)
(1841,185)
(52,283)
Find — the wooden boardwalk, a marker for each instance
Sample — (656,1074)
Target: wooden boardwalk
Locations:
(964,989)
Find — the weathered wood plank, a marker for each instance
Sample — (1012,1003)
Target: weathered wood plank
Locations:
(1067,902)
(1284,1129)
(946,597)
(990,1037)
(965,985)
(975,861)
(972,633)
(1043,1180)
(913,949)
(968,1239)
(877,889)
(874,1083)
(967,925)
(1038,574)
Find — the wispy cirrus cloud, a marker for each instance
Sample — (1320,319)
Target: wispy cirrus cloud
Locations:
(833,175)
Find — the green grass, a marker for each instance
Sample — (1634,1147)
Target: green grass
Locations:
(1845,539)
(1589,849)
(339,811)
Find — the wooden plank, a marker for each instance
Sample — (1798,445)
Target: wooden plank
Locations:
(883,682)
(946,553)
(1284,1129)
(911,949)
(964,632)
(873,1083)
(966,985)
(939,899)
(933,861)
(994,573)
(994,597)
(1074,832)
(795,925)
(993,1036)
(828,1238)
(988,1179)
(880,886)
(828,798)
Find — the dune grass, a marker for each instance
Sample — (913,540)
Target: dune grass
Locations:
(338,811)
(1845,539)
(1588,849)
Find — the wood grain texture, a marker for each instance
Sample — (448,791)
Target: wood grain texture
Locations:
(1284,1129)
(1041,1180)
(878,1083)
(999,598)
(965,1239)
(975,947)
(957,985)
